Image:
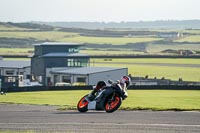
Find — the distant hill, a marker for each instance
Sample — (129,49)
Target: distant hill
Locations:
(171,24)
(132,36)
(31,26)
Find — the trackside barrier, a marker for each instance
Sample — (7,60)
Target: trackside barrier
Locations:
(164,87)
(45,88)
(133,87)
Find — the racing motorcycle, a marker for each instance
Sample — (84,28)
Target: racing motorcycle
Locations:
(108,99)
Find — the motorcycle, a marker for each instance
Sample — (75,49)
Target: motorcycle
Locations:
(108,99)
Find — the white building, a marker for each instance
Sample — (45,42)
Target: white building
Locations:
(12,72)
(15,70)
(86,75)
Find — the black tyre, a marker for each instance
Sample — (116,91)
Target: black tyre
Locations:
(113,104)
(82,105)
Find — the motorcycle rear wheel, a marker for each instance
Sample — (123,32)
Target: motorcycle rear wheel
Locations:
(113,104)
(82,105)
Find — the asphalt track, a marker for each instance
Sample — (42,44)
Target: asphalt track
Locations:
(48,119)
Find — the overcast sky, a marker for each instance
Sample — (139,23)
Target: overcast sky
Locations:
(98,10)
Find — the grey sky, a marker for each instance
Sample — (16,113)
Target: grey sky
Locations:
(98,10)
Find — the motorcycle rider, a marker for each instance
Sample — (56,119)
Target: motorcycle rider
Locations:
(123,84)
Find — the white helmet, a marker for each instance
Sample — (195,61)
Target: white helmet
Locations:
(126,80)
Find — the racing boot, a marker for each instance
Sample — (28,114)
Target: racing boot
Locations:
(125,94)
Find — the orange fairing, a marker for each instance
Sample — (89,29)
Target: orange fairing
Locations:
(83,103)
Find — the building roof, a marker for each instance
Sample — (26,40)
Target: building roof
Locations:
(84,70)
(14,64)
(65,55)
(58,43)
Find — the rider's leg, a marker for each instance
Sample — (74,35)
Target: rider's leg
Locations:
(91,96)
(99,86)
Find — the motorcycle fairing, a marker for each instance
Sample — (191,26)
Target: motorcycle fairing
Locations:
(92,105)
(101,99)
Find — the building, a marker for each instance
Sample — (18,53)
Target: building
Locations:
(55,54)
(12,72)
(55,62)
(85,75)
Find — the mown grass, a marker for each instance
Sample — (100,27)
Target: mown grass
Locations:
(109,40)
(163,100)
(152,60)
(158,71)
(110,52)
(75,37)
(16,51)
(137,100)
(168,72)
(156,48)
(195,38)
(49,35)
(15,131)
(25,51)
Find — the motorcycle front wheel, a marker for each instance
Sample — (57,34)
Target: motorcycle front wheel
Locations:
(82,105)
(113,104)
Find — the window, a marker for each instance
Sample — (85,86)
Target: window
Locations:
(77,62)
(81,79)
(21,73)
(70,62)
(66,79)
(28,76)
(10,79)
(9,72)
(55,77)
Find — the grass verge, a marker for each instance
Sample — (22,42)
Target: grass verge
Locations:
(177,100)
(173,72)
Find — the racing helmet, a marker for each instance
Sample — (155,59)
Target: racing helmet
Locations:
(126,80)
(100,85)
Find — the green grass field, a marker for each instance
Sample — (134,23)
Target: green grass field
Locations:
(156,48)
(153,60)
(49,35)
(158,70)
(108,40)
(75,37)
(138,99)
(15,51)
(195,38)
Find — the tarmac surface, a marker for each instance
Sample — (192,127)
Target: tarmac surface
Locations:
(39,118)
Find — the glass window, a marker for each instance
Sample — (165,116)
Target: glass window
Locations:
(81,79)
(9,72)
(77,62)
(10,79)
(66,79)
